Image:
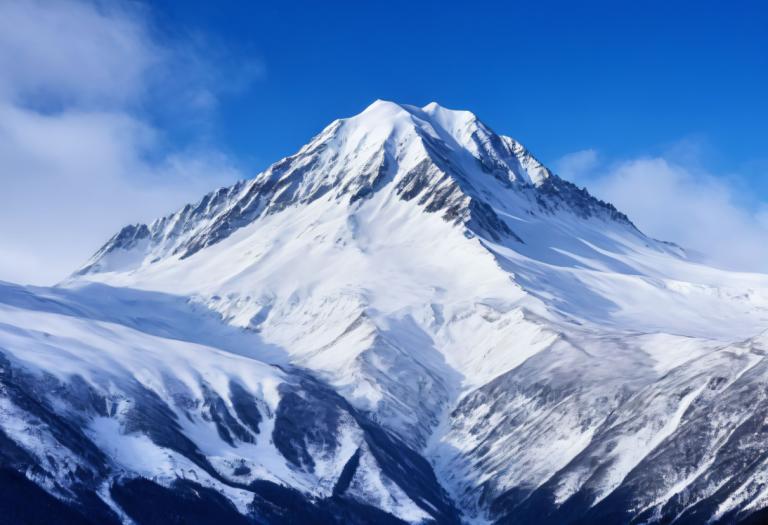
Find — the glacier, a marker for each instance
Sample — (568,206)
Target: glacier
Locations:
(409,320)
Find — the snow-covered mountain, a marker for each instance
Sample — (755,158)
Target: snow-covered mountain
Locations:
(409,319)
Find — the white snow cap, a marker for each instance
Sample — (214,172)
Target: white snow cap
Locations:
(460,130)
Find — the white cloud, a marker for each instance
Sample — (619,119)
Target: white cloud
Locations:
(74,145)
(576,165)
(73,52)
(678,201)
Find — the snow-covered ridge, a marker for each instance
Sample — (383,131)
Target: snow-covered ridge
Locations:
(447,161)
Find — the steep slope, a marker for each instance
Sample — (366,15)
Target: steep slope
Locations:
(105,414)
(446,161)
(617,442)
(521,334)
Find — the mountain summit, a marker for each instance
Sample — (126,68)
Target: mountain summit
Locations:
(447,162)
(409,320)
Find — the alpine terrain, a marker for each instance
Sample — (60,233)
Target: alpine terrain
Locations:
(410,320)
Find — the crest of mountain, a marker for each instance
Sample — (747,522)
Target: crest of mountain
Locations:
(411,319)
(448,162)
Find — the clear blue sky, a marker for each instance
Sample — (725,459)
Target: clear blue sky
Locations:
(628,78)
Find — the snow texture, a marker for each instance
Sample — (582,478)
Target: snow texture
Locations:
(440,302)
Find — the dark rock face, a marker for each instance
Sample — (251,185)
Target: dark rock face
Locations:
(229,427)
(285,506)
(303,421)
(184,501)
(485,221)
(307,424)
(247,408)
(310,417)
(708,458)
(555,193)
(126,239)
(413,473)
(22,502)
(28,393)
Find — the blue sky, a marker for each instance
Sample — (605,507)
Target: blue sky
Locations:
(117,112)
(628,78)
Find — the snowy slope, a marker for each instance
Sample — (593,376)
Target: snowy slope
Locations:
(542,353)
(97,390)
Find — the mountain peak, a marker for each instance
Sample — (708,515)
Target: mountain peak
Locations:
(433,119)
(439,160)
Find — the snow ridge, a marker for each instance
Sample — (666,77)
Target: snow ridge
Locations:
(447,161)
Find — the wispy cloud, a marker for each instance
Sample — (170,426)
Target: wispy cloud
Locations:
(68,52)
(79,153)
(674,197)
(574,165)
